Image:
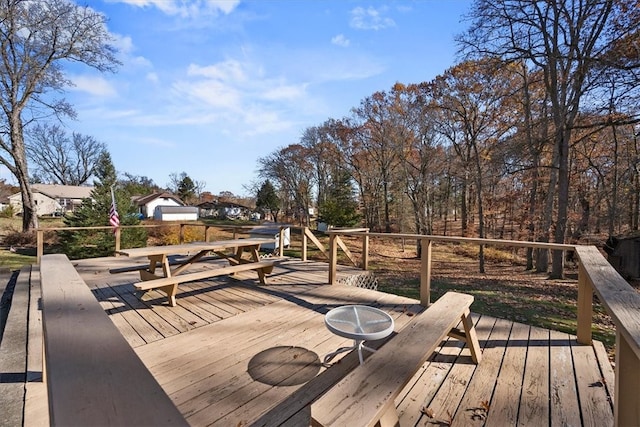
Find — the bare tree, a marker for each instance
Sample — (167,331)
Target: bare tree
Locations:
(567,40)
(471,98)
(293,172)
(36,37)
(61,159)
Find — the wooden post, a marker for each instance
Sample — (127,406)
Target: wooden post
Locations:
(281,242)
(181,234)
(585,306)
(626,397)
(117,234)
(303,255)
(39,245)
(207,233)
(425,272)
(365,250)
(333,259)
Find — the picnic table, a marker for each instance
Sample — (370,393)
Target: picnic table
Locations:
(169,278)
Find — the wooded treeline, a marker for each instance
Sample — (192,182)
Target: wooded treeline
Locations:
(532,136)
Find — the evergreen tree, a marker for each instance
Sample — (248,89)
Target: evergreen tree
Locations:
(94,211)
(340,208)
(267,200)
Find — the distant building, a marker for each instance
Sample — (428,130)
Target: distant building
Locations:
(53,199)
(175,213)
(225,210)
(147,204)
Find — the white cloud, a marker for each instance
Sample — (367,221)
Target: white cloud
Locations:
(370,19)
(230,71)
(187,9)
(153,77)
(341,40)
(97,86)
(278,92)
(235,92)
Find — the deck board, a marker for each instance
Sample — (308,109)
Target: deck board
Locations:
(233,352)
(534,407)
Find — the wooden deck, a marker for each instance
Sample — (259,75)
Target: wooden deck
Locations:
(235,353)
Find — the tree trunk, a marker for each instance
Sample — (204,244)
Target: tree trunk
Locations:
(562,140)
(21,172)
(463,207)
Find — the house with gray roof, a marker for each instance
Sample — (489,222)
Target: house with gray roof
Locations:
(53,199)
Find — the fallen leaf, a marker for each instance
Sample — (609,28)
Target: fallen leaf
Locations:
(428,412)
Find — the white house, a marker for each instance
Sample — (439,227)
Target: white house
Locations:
(147,204)
(53,199)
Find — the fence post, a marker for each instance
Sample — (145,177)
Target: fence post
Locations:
(117,233)
(585,306)
(333,259)
(303,255)
(425,272)
(39,245)
(365,250)
(281,241)
(181,234)
(626,398)
(207,233)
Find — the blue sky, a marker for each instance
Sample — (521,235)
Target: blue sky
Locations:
(208,87)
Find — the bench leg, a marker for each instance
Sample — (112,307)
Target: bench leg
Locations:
(471,337)
(389,417)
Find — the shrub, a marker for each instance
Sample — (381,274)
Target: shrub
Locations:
(15,237)
(7,212)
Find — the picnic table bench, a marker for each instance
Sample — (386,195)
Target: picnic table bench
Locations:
(365,396)
(170,278)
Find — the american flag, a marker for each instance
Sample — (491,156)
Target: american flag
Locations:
(114,219)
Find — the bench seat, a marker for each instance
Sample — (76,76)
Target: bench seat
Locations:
(169,285)
(365,396)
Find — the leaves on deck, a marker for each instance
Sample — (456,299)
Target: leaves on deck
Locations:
(428,412)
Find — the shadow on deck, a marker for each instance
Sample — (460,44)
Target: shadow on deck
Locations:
(235,353)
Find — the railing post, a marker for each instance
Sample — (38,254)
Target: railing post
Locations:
(626,397)
(281,242)
(585,306)
(303,251)
(333,259)
(181,234)
(365,250)
(207,233)
(39,245)
(425,272)
(117,234)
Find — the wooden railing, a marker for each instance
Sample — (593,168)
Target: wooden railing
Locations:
(595,275)
(307,236)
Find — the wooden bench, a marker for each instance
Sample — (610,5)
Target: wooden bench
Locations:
(169,285)
(93,375)
(365,397)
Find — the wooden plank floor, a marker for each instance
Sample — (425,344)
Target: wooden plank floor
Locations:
(236,353)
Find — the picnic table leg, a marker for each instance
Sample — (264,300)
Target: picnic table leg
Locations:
(171,291)
(150,274)
(255,255)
